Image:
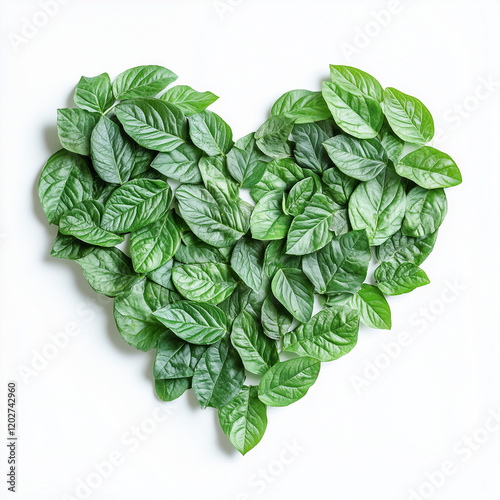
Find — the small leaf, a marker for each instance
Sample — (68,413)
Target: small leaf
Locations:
(303,106)
(94,93)
(188,100)
(180,164)
(373,307)
(142,81)
(393,279)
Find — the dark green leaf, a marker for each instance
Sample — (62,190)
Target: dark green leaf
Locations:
(69,247)
(247,261)
(170,389)
(400,248)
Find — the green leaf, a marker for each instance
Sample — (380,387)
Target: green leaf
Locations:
(163,275)
(275,258)
(429,168)
(209,283)
(196,323)
(108,271)
(216,178)
(64,182)
(112,152)
(275,319)
(142,81)
(171,389)
(195,251)
(94,93)
(288,381)
(69,247)
(292,288)
(188,100)
(300,196)
(157,296)
(246,163)
(247,261)
(310,231)
(218,222)
(373,307)
(219,375)
(180,164)
(173,358)
(357,81)
(327,336)
(136,204)
(245,299)
(272,136)
(355,113)
(378,206)
(142,161)
(396,279)
(392,144)
(362,159)
(83,221)
(341,185)
(74,127)
(341,266)
(309,151)
(268,221)
(400,248)
(408,117)
(257,351)
(153,245)
(135,320)
(425,211)
(302,106)
(244,419)
(153,123)
(210,133)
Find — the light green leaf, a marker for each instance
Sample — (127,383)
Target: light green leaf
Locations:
(302,106)
(174,358)
(171,389)
(400,248)
(275,258)
(188,100)
(272,136)
(300,196)
(180,164)
(247,261)
(275,319)
(142,81)
(373,307)
(210,133)
(74,127)
(425,211)
(268,221)
(357,81)
(341,185)
(94,93)
(396,279)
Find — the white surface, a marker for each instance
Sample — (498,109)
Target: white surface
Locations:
(376,445)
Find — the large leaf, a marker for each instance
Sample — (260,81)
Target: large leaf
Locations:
(310,231)
(152,123)
(142,81)
(64,182)
(94,93)
(302,106)
(327,336)
(355,113)
(341,266)
(136,204)
(246,162)
(272,136)
(210,133)
(357,81)
(362,159)
(209,283)
(292,288)
(188,100)
(218,222)
(378,206)
(396,279)
(257,351)
(108,271)
(153,245)
(135,320)
(113,153)
(268,221)
(247,261)
(194,322)
(373,307)
(425,211)
(408,117)
(174,358)
(429,168)
(74,127)
(83,221)
(400,248)
(244,419)
(180,164)
(219,375)
(288,381)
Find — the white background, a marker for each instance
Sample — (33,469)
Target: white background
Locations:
(372,427)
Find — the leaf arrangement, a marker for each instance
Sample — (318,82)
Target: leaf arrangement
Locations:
(218,286)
